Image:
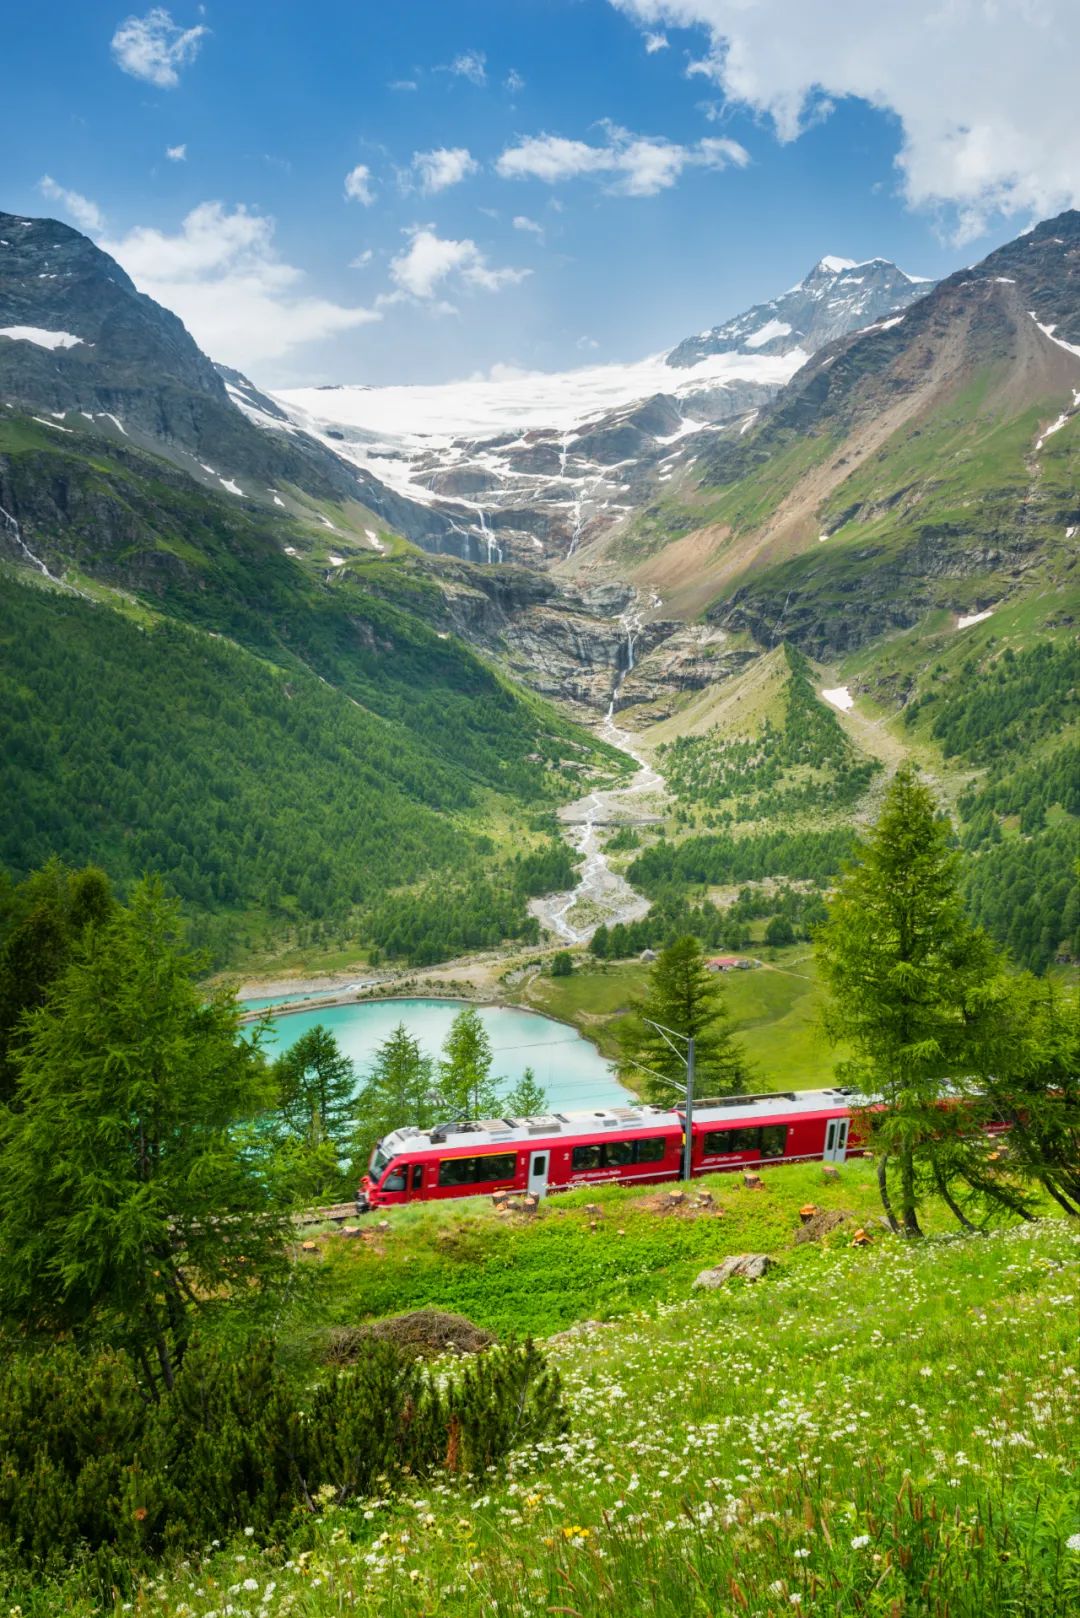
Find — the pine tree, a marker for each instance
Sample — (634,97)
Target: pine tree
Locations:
(129,1194)
(915,994)
(527,1099)
(465,1083)
(685,996)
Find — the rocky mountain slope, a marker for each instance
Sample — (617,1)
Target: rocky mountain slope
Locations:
(79,343)
(837,297)
(929,461)
(530,467)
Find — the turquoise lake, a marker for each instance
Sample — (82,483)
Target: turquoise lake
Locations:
(572,1072)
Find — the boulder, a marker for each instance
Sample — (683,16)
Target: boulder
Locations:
(821,1223)
(741,1266)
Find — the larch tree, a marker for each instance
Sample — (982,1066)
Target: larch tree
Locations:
(916,994)
(399,1089)
(465,1082)
(683,995)
(527,1098)
(131,1188)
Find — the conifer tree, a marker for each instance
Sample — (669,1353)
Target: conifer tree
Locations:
(128,1193)
(399,1090)
(914,992)
(685,996)
(465,1083)
(527,1099)
(317,1087)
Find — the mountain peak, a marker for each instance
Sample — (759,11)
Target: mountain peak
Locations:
(838,296)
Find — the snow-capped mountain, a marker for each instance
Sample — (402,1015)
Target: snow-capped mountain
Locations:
(528,465)
(837,297)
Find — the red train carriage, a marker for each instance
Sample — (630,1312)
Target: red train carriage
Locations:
(618,1145)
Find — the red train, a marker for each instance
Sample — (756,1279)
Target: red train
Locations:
(561,1151)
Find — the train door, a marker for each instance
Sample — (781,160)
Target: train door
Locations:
(836,1134)
(538,1172)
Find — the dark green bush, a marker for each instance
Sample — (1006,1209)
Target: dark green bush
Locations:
(94,1473)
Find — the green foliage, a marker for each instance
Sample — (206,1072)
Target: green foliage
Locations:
(914,992)
(42,922)
(93,1472)
(996,712)
(314,1120)
(253,784)
(562,964)
(805,762)
(466,1087)
(685,998)
(720,860)
(128,1191)
(399,1089)
(527,1099)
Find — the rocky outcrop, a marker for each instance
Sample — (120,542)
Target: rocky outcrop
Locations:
(740,1267)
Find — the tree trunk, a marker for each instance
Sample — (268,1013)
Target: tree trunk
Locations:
(883,1188)
(957,1212)
(909,1207)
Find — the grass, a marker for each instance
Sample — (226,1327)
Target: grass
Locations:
(886,1431)
(775,1010)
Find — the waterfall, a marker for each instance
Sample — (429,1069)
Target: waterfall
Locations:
(494,549)
(27,552)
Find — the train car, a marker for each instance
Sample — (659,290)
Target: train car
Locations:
(642,1145)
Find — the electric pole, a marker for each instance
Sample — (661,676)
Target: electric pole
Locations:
(688,1133)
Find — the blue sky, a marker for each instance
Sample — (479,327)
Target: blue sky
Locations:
(535,183)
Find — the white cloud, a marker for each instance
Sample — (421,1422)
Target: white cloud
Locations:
(86,214)
(429,260)
(636,165)
(513,81)
(154,48)
(523,222)
(978,87)
(446,166)
(656,42)
(221,274)
(586,344)
(362,260)
(358,185)
(471,65)
(176,154)
(403,84)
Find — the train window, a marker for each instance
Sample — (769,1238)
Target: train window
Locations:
(773,1140)
(651,1151)
(396,1181)
(731,1140)
(588,1157)
(500,1167)
(457,1171)
(617,1153)
(418,1176)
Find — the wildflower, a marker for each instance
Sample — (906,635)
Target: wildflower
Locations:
(249,1533)
(860,1542)
(1073,1542)
(802,1552)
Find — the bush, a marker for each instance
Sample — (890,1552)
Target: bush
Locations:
(562,964)
(95,1474)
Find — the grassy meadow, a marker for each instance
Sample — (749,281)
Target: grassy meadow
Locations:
(888,1430)
(775,1011)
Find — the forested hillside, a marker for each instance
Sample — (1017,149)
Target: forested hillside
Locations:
(287,743)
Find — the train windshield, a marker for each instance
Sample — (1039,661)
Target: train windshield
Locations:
(379,1160)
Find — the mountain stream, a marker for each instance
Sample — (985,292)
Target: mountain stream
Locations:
(601,895)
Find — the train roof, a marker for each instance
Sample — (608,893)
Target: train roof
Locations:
(487,1133)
